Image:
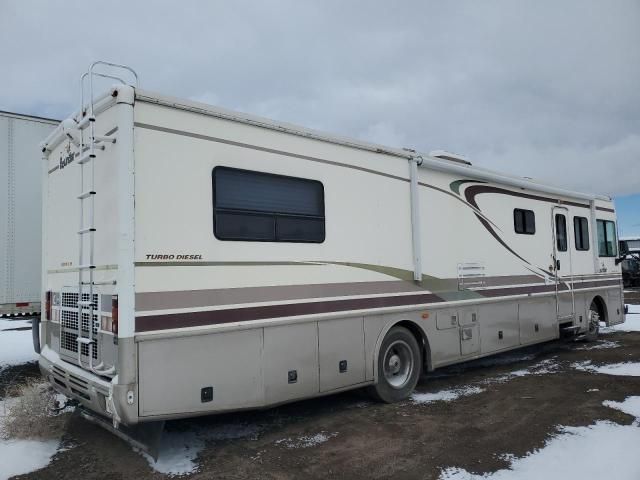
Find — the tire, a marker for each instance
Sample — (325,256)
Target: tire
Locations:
(400,353)
(593,327)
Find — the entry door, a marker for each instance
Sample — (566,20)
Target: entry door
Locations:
(561,266)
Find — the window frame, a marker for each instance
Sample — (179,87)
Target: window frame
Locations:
(615,233)
(274,215)
(524,213)
(566,237)
(580,245)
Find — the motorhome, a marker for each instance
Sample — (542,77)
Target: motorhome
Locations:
(20,200)
(199,260)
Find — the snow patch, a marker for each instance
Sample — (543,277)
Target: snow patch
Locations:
(545,367)
(631,321)
(630,405)
(630,369)
(16,346)
(445,395)
(306,441)
(19,456)
(601,345)
(612,448)
(179,451)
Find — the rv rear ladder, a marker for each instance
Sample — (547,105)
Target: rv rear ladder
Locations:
(86,198)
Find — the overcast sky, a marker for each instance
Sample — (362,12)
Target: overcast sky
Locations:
(547,89)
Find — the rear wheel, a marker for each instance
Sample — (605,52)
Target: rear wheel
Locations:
(399,362)
(594,323)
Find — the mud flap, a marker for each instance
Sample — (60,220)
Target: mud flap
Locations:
(35,333)
(143,436)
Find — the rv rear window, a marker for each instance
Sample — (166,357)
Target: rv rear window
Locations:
(607,243)
(524,221)
(581,230)
(264,207)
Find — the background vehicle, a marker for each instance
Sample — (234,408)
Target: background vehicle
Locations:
(198,260)
(20,215)
(631,263)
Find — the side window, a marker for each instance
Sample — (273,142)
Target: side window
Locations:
(561,232)
(581,230)
(607,241)
(263,207)
(524,221)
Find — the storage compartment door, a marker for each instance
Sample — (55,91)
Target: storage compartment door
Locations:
(290,362)
(218,371)
(341,350)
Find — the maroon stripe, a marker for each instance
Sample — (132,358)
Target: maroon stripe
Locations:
(502,292)
(215,317)
(598,283)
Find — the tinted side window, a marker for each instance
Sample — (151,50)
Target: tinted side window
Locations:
(607,242)
(581,231)
(524,221)
(263,207)
(561,232)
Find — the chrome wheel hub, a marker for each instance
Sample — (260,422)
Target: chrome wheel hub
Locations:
(398,364)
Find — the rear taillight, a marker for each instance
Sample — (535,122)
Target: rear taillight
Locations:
(114,314)
(47,305)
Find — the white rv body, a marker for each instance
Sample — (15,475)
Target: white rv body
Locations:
(210,325)
(20,215)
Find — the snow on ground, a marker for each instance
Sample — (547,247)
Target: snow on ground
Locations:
(631,322)
(306,441)
(16,346)
(605,448)
(631,369)
(544,367)
(630,405)
(599,345)
(445,395)
(179,451)
(20,456)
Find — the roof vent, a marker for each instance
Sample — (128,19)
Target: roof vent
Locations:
(453,157)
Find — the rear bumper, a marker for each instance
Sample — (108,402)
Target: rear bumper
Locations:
(90,390)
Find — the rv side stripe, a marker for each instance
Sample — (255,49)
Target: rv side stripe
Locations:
(264,149)
(243,314)
(196,319)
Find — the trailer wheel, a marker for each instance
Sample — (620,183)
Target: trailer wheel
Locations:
(594,323)
(399,363)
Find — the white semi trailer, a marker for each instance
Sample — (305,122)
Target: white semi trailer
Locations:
(20,211)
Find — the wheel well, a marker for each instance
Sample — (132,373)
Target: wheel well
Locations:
(601,306)
(422,340)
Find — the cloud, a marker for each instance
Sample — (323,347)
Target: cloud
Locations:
(542,89)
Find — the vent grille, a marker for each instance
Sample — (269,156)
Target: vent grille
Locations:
(70,299)
(69,342)
(69,324)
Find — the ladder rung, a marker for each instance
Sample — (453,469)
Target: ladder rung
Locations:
(84,195)
(86,157)
(104,139)
(85,121)
(86,267)
(86,230)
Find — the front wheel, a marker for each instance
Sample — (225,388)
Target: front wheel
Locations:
(594,323)
(399,363)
